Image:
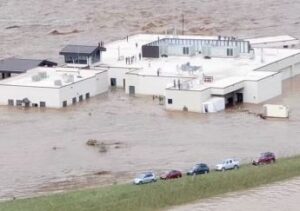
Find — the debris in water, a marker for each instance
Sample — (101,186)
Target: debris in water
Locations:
(13,27)
(102,173)
(102,147)
(92,142)
(56,32)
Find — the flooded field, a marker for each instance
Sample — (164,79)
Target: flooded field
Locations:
(45,150)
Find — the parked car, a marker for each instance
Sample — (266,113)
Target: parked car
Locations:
(265,158)
(228,164)
(146,177)
(200,168)
(173,174)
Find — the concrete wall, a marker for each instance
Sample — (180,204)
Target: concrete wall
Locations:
(35,95)
(94,86)
(262,90)
(187,98)
(119,74)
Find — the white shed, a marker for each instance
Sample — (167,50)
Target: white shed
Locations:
(279,111)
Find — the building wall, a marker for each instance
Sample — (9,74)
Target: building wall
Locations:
(119,74)
(150,85)
(262,90)
(34,94)
(94,86)
(190,99)
(289,66)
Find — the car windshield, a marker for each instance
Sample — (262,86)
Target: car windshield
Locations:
(196,167)
(263,155)
(141,176)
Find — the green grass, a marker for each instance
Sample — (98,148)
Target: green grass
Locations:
(163,194)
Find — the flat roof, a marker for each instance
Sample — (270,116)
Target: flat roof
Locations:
(16,65)
(225,71)
(281,38)
(49,75)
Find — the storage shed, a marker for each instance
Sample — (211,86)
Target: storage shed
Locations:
(279,111)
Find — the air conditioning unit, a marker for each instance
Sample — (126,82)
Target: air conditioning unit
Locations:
(58,83)
(36,78)
(42,74)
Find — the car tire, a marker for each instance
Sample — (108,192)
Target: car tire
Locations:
(223,169)
(236,167)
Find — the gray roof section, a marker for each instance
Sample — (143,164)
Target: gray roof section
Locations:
(15,65)
(80,49)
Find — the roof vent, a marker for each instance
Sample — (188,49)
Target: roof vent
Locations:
(57,83)
(36,78)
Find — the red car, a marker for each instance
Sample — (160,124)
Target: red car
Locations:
(173,174)
(265,158)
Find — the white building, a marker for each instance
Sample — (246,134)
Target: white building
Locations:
(192,71)
(54,87)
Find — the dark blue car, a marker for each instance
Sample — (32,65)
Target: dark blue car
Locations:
(200,168)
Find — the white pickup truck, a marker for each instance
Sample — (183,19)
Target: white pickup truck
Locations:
(228,164)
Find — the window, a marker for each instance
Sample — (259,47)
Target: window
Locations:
(186,50)
(19,102)
(80,98)
(74,100)
(87,95)
(42,104)
(64,103)
(11,102)
(229,52)
(170,101)
(35,105)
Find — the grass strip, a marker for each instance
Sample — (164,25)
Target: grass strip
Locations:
(162,194)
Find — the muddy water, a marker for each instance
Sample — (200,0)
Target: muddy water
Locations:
(45,150)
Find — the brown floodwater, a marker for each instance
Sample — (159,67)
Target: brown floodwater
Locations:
(45,150)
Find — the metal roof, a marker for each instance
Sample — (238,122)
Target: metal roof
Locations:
(15,65)
(80,49)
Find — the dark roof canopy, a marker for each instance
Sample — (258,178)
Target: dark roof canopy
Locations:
(80,49)
(15,65)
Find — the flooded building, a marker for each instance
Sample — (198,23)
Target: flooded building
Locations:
(54,87)
(199,73)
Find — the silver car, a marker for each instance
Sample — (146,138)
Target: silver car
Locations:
(146,177)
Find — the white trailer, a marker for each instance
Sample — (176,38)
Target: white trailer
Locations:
(213,105)
(277,111)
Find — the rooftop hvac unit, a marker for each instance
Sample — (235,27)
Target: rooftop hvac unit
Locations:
(57,83)
(189,68)
(36,78)
(68,78)
(42,74)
